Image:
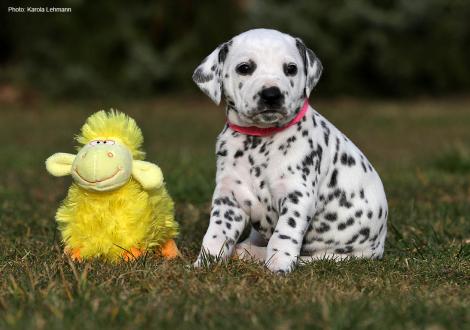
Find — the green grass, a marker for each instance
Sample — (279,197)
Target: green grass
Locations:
(419,147)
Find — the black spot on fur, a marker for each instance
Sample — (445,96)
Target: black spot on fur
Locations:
(344,202)
(365,231)
(303,53)
(239,153)
(291,222)
(228,215)
(346,249)
(342,226)
(269,220)
(326,132)
(364,167)
(333,179)
(331,216)
(326,137)
(294,197)
(353,239)
(324,227)
(347,160)
(223,52)
(200,77)
(222,153)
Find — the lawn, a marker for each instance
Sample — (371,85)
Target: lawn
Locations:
(421,148)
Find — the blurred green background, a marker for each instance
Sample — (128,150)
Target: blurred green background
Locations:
(384,48)
(396,81)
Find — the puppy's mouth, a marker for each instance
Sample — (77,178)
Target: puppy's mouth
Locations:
(269,112)
(269,115)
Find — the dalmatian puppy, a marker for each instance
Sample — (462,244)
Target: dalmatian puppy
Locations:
(303,187)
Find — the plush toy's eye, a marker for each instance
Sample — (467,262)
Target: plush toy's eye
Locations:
(109,142)
(94,142)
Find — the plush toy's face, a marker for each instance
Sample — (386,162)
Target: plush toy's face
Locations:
(102,165)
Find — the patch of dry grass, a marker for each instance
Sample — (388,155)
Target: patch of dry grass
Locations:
(421,283)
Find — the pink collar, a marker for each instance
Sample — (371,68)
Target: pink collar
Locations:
(258,131)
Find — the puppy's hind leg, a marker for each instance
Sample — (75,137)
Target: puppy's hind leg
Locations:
(253,248)
(256,239)
(246,251)
(321,255)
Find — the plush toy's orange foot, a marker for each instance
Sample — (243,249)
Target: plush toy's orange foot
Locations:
(169,250)
(74,254)
(133,254)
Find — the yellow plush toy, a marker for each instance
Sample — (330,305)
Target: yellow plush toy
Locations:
(117,207)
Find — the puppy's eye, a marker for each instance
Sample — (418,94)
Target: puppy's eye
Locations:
(245,68)
(290,69)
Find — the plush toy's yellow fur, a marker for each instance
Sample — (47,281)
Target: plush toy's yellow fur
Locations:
(109,224)
(115,125)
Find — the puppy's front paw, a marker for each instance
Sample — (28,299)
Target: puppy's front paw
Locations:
(198,263)
(206,258)
(280,263)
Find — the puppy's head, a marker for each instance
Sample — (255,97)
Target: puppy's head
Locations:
(263,75)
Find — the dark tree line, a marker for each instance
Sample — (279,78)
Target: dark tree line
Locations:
(142,48)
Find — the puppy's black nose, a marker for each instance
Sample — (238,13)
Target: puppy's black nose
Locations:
(271,94)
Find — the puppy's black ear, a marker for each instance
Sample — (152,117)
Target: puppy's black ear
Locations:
(312,66)
(208,75)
